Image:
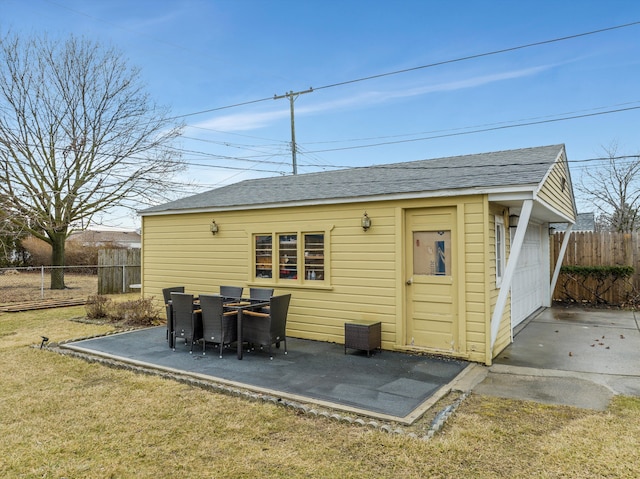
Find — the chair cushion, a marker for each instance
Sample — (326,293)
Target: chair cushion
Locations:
(256,313)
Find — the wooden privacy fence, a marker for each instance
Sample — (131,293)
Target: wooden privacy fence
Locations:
(597,249)
(118,269)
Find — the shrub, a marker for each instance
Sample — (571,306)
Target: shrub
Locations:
(76,252)
(97,306)
(139,312)
(596,281)
(599,272)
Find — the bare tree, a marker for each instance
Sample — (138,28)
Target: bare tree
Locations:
(78,136)
(10,236)
(614,190)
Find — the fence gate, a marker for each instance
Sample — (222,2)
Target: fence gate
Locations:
(117,270)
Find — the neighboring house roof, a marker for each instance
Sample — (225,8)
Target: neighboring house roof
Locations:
(129,239)
(469,174)
(584,222)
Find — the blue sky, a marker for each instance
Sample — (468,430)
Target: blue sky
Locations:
(198,55)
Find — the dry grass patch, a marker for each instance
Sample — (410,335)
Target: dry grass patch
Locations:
(27,286)
(494,437)
(64,417)
(58,324)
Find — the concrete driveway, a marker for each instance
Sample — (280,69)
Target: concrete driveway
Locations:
(569,355)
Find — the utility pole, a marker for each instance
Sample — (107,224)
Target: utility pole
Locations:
(292,97)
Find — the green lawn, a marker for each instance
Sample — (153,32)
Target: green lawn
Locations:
(63,417)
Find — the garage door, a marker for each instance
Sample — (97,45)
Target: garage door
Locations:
(530,279)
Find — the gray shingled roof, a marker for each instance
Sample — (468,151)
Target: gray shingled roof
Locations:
(511,168)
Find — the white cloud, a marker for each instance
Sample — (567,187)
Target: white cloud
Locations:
(473,82)
(243,121)
(252,121)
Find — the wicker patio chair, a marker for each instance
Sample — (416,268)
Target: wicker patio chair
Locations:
(218,326)
(230,293)
(166,293)
(186,323)
(266,328)
(260,294)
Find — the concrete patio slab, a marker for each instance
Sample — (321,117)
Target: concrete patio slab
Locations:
(568,356)
(389,385)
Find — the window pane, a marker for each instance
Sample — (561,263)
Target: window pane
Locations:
(432,253)
(314,257)
(264,256)
(500,249)
(499,240)
(288,251)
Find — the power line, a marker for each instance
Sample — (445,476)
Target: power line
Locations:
(456,132)
(481,55)
(220,108)
(482,130)
(318,165)
(429,65)
(485,125)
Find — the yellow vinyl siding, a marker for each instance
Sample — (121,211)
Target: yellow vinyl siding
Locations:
(475,277)
(366,276)
(180,250)
(504,333)
(554,194)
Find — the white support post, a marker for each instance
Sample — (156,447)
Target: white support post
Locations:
(556,271)
(514,254)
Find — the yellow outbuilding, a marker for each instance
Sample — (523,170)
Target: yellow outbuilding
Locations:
(448,254)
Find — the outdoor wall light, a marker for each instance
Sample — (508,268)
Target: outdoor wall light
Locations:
(513,221)
(366,222)
(214,227)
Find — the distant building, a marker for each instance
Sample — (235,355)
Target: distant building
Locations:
(108,237)
(584,222)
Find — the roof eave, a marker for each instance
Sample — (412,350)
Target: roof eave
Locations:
(517,192)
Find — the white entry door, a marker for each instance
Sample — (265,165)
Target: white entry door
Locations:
(530,281)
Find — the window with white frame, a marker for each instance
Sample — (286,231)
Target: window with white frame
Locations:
(500,249)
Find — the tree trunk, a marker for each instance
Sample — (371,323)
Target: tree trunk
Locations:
(57,260)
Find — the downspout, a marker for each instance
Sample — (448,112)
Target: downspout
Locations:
(556,271)
(514,254)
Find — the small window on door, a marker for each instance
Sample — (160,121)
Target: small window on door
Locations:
(432,253)
(500,249)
